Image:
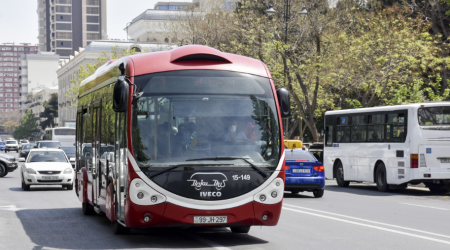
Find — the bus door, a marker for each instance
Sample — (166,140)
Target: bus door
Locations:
(95,155)
(121,170)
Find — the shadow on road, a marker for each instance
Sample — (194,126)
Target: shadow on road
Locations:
(19,189)
(304,195)
(68,228)
(371,190)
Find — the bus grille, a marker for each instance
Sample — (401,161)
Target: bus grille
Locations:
(422,162)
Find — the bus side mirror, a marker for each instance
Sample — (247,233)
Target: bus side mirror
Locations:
(120,95)
(284,102)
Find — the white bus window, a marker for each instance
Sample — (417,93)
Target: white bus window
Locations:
(329,135)
(396,118)
(434,116)
(359,133)
(376,133)
(376,119)
(343,134)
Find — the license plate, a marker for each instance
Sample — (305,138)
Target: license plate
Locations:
(307,170)
(445,160)
(209,219)
(49,178)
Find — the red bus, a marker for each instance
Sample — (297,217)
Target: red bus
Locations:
(187,137)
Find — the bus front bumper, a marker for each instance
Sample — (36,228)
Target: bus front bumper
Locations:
(171,215)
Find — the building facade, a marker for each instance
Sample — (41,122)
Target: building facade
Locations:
(10,71)
(67,25)
(90,54)
(37,71)
(36,99)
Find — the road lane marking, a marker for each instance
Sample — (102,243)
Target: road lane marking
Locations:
(207,242)
(425,206)
(371,226)
(373,222)
(10,208)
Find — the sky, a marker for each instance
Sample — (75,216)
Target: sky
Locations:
(19,20)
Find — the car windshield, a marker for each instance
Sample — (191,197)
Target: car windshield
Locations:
(2,143)
(47,156)
(11,142)
(28,146)
(68,150)
(49,144)
(299,155)
(194,114)
(432,116)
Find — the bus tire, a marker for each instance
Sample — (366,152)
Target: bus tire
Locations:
(340,175)
(117,228)
(87,208)
(240,230)
(382,184)
(439,189)
(318,193)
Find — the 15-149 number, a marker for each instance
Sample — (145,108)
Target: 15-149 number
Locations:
(244,177)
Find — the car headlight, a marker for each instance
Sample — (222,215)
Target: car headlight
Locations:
(67,171)
(31,171)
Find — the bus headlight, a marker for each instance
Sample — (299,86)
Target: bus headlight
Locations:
(140,195)
(262,198)
(154,199)
(274,194)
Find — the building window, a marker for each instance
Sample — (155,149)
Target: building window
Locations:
(64,44)
(92,19)
(63,52)
(63,26)
(92,2)
(93,36)
(64,9)
(63,35)
(92,27)
(92,10)
(63,1)
(64,18)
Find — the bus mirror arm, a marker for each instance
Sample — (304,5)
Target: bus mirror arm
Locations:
(284,102)
(120,95)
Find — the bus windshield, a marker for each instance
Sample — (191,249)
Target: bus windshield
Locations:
(193,114)
(434,116)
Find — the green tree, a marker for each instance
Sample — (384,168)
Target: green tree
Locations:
(9,126)
(50,112)
(27,126)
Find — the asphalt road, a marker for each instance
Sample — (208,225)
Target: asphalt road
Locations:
(357,217)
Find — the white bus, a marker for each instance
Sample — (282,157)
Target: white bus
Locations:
(390,146)
(65,135)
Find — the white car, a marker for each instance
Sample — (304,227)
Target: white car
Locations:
(11,145)
(47,166)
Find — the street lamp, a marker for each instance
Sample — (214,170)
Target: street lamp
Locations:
(287,11)
(270,11)
(303,11)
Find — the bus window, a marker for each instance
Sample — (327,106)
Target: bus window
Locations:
(329,135)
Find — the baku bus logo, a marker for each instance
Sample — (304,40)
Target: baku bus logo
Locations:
(200,180)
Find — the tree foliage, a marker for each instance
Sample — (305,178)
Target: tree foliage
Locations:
(355,54)
(27,126)
(50,112)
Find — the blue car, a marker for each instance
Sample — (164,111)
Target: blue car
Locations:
(2,146)
(305,173)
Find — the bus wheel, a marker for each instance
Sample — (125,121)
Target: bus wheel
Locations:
(381,178)
(240,230)
(439,189)
(340,176)
(88,209)
(119,229)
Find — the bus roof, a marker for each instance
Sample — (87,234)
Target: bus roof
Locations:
(190,57)
(387,108)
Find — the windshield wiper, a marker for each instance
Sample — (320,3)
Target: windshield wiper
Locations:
(183,165)
(260,170)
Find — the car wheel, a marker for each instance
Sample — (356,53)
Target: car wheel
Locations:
(340,176)
(88,209)
(240,230)
(381,178)
(318,193)
(119,229)
(295,192)
(25,187)
(2,170)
